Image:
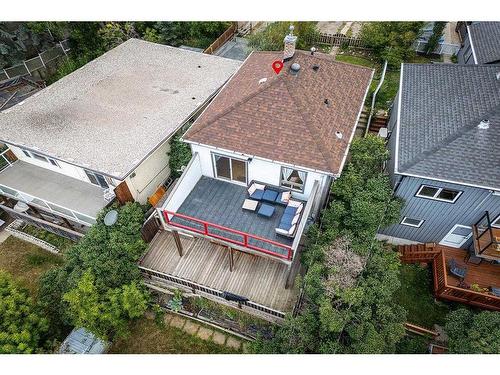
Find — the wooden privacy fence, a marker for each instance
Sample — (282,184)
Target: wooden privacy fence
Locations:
(338,40)
(221,40)
(36,63)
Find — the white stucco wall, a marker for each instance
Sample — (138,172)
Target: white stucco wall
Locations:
(260,170)
(150,174)
(64,168)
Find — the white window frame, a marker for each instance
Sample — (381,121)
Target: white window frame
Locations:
(456,246)
(40,157)
(421,221)
(439,190)
(301,190)
(88,171)
(214,165)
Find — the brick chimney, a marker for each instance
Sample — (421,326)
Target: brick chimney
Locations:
(290,41)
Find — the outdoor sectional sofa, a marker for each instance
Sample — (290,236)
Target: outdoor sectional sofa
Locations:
(291,215)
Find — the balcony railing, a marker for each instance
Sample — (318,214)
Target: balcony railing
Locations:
(486,238)
(245,240)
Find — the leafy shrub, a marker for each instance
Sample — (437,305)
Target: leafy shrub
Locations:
(178,156)
(21,327)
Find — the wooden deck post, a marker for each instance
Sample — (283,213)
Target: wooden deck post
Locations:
(177,240)
(231,259)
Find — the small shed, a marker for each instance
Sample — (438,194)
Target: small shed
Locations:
(82,341)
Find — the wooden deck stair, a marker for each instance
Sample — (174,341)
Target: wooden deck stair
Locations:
(418,253)
(377,123)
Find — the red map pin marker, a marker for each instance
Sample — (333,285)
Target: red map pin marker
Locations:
(277,66)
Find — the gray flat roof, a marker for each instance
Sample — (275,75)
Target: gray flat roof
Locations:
(81,341)
(111,113)
(54,187)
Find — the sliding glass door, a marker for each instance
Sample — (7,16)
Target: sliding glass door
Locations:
(230,169)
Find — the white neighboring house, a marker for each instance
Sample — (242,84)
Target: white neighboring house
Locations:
(103,132)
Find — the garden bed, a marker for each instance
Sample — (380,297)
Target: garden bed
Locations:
(61,243)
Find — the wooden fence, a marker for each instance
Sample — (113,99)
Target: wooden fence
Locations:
(338,40)
(221,40)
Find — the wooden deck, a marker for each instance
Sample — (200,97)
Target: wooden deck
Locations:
(450,287)
(259,279)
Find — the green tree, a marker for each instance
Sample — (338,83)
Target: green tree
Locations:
(115,33)
(106,315)
(21,328)
(437,32)
(350,278)
(473,332)
(391,41)
(271,38)
(110,255)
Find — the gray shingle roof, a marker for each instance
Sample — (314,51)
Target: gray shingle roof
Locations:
(486,41)
(111,113)
(441,107)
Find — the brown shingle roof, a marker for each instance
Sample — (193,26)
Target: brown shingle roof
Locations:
(286,118)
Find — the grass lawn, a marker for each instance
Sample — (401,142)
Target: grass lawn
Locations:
(148,337)
(415,295)
(26,262)
(356,60)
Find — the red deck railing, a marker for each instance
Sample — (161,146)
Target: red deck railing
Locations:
(245,237)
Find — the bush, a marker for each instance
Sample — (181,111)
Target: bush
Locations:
(178,156)
(21,327)
(473,332)
(102,264)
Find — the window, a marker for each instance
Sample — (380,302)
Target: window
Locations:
(230,169)
(416,223)
(439,194)
(97,179)
(42,158)
(293,179)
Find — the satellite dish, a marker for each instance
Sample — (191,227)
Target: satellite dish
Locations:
(111,218)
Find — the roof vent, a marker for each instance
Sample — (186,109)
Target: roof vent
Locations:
(262,80)
(315,68)
(484,124)
(295,68)
(338,134)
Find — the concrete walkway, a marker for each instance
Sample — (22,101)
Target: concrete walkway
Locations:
(4,235)
(205,333)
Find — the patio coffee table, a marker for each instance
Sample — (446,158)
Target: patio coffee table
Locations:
(250,205)
(266,210)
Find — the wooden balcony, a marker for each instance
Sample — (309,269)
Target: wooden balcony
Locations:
(481,276)
(450,287)
(486,238)
(212,270)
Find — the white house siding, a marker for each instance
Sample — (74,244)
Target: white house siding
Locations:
(150,174)
(440,217)
(263,171)
(64,168)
